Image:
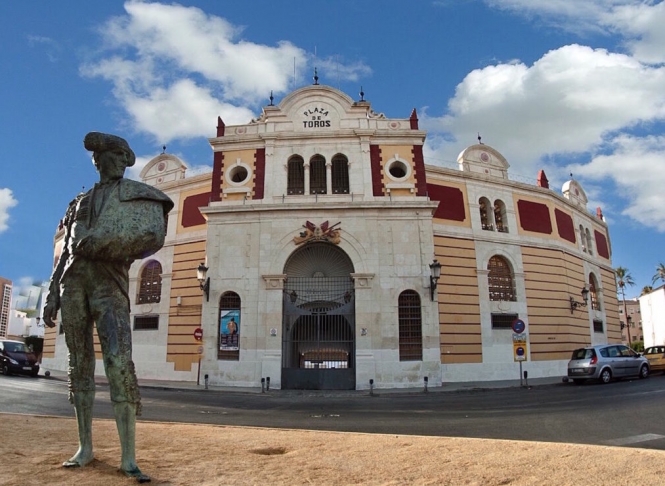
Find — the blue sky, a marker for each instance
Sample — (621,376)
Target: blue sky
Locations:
(560,85)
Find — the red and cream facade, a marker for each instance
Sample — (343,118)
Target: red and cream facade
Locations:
(318,226)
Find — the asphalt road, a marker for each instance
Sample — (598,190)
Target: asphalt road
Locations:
(626,413)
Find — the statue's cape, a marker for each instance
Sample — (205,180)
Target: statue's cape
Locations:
(132,190)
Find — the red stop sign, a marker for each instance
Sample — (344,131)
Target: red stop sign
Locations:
(198,333)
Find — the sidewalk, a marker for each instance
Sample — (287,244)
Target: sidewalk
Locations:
(446,387)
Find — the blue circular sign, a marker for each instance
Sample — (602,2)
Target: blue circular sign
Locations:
(519,351)
(518,326)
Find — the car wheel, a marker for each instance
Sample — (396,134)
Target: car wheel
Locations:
(605,376)
(5,370)
(644,371)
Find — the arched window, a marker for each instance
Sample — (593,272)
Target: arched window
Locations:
(340,174)
(317,175)
(589,242)
(583,238)
(410,326)
(296,176)
(485,217)
(150,284)
(500,279)
(500,216)
(593,292)
(229,327)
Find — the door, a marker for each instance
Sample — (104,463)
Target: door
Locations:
(318,347)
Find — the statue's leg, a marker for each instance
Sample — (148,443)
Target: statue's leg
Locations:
(125,419)
(113,328)
(83,401)
(78,324)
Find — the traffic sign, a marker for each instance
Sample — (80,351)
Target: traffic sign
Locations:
(519,351)
(518,326)
(198,333)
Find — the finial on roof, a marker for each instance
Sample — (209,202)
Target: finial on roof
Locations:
(316,77)
(413,120)
(480,141)
(362,94)
(271,98)
(163,149)
(571,175)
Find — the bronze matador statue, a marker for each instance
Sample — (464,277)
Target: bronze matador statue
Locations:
(106,229)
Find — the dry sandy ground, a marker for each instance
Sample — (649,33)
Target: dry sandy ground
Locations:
(32,449)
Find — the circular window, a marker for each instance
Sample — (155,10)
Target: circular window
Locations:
(398,169)
(238,174)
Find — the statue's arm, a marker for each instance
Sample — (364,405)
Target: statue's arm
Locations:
(53,296)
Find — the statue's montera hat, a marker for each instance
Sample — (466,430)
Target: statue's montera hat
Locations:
(102,142)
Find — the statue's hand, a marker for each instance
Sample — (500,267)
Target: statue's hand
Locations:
(50,313)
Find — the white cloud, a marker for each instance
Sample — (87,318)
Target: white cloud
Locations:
(569,102)
(335,69)
(7,202)
(635,168)
(175,69)
(639,23)
(183,110)
(51,48)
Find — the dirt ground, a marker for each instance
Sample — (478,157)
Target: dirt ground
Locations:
(32,449)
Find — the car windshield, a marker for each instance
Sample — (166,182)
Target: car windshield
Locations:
(15,347)
(655,350)
(583,353)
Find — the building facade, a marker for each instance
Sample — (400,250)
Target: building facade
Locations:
(652,312)
(630,320)
(5,305)
(320,229)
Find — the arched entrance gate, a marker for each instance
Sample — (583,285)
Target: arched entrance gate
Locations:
(318,320)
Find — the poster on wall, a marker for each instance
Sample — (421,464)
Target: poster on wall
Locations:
(229,330)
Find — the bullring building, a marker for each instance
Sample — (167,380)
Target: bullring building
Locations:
(322,253)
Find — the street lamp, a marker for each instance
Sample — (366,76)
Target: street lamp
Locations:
(435,273)
(585,297)
(204,280)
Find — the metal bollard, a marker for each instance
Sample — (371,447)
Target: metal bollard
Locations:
(371,386)
(526,382)
(205,377)
(268,384)
(426,379)
(263,385)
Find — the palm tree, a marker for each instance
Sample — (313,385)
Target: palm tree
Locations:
(623,278)
(647,289)
(660,273)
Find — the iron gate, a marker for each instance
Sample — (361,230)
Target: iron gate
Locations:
(318,346)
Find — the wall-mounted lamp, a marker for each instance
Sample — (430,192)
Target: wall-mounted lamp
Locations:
(585,296)
(435,273)
(204,280)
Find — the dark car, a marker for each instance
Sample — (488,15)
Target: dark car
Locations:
(15,357)
(606,362)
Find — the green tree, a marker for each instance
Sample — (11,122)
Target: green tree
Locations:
(647,289)
(623,278)
(660,274)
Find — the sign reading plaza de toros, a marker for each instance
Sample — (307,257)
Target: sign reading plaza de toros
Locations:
(316,118)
